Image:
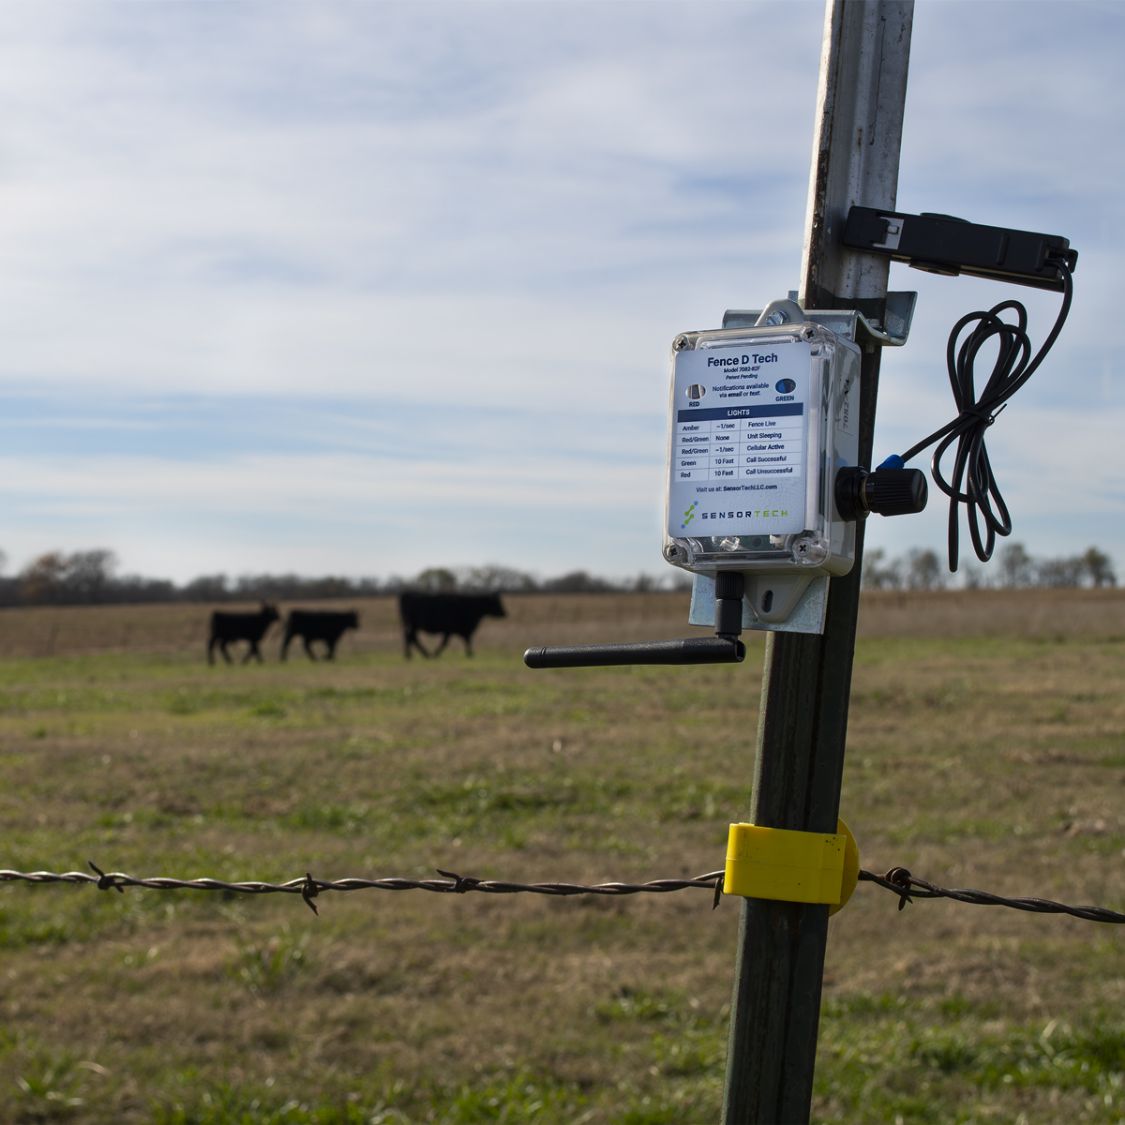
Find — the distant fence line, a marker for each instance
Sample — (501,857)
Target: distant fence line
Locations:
(898,880)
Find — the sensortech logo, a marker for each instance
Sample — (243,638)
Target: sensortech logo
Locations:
(689,513)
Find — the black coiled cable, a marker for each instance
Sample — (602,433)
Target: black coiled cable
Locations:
(971,481)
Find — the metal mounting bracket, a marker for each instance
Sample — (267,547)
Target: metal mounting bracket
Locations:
(807,616)
(853,324)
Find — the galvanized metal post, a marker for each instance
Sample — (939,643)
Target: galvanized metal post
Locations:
(800,759)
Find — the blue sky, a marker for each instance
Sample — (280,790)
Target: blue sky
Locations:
(361,288)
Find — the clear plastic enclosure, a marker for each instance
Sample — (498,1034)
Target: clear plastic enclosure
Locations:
(761,420)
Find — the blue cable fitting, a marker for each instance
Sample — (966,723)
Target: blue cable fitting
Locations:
(893,462)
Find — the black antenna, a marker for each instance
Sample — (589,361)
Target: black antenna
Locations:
(723,648)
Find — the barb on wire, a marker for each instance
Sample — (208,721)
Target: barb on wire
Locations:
(104,881)
(898,880)
(309,888)
(309,891)
(907,886)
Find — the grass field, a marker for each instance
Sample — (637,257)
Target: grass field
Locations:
(986,749)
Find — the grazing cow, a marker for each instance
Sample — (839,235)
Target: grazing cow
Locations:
(317,625)
(447,614)
(251,627)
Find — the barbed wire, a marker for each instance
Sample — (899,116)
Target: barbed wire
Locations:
(898,880)
(309,887)
(908,887)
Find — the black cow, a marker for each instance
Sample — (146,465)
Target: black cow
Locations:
(251,627)
(448,614)
(317,625)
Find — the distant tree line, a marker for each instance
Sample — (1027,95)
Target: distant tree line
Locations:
(90,578)
(1013,568)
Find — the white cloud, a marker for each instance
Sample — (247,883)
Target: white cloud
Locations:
(166,229)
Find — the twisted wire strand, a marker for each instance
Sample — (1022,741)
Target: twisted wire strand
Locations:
(309,888)
(908,887)
(898,880)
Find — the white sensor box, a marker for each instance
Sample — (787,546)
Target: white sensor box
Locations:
(761,421)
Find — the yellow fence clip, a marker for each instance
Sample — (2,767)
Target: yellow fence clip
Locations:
(790,866)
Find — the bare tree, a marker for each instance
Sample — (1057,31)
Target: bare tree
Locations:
(924,571)
(41,581)
(880,574)
(1017,567)
(577,582)
(206,588)
(78,578)
(1099,568)
(1060,573)
(505,579)
(436,579)
(89,575)
(973,577)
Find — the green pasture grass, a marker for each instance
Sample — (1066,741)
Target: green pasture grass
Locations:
(980,759)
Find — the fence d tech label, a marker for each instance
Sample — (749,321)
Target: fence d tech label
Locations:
(739,423)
